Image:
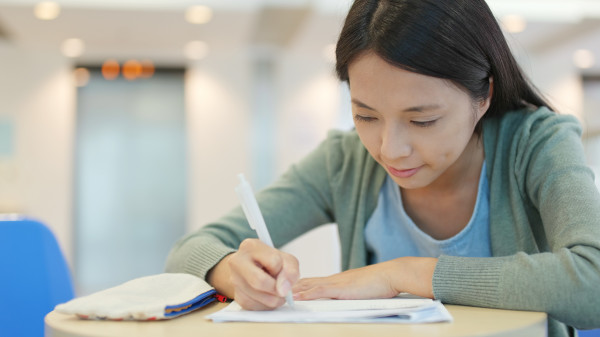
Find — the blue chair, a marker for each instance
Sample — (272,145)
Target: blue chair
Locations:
(35,277)
(589,333)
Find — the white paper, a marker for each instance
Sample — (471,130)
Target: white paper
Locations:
(392,310)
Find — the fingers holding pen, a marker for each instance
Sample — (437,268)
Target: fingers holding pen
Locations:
(288,275)
(256,264)
(261,275)
(280,265)
(251,299)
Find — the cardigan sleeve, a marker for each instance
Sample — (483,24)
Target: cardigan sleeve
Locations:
(297,202)
(557,198)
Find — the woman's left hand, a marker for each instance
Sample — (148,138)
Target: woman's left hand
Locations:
(382,280)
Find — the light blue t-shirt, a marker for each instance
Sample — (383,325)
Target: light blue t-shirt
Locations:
(391,233)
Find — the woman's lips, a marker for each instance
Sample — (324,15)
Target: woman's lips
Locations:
(403,173)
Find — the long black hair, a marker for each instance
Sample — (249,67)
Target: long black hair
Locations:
(457,40)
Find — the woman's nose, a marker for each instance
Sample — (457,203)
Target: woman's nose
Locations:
(395,144)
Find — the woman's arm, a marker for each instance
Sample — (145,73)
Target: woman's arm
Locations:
(382,280)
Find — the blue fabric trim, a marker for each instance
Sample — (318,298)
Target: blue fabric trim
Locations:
(196,303)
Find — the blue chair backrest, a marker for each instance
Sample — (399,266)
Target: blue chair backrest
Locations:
(34,277)
(589,333)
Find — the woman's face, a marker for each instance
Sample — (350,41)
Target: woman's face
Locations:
(419,128)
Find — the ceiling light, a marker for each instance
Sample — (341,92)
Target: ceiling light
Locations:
(514,23)
(72,47)
(195,50)
(110,69)
(583,59)
(198,14)
(81,77)
(46,10)
(147,69)
(132,69)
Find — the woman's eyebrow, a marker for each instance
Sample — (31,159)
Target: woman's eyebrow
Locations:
(361,104)
(417,108)
(422,108)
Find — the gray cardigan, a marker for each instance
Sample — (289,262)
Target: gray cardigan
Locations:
(544,219)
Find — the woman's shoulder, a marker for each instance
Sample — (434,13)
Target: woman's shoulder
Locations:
(347,139)
(346,156)
(529,125)
(513,139)
(532,120)
(338,150)
(343,145)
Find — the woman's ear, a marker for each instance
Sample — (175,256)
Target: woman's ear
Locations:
(485,104)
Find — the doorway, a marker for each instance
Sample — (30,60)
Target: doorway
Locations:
(131,186)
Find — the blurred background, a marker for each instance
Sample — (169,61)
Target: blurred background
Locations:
(123,123)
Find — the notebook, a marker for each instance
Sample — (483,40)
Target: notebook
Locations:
(155,297)
(404,308)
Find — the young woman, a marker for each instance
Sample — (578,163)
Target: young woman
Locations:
(458,182)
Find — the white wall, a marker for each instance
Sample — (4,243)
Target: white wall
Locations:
(38,97)
(557,77)
(218,134)
(563,85)
(309,106)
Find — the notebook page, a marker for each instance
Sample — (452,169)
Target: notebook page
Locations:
(349,305)
(394,310)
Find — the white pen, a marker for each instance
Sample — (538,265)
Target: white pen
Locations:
(255,219)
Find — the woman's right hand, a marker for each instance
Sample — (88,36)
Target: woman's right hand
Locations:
(257,276)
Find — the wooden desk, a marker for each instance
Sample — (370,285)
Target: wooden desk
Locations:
(468,321)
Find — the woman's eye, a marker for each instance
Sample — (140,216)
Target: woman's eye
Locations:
(360,118)
(424,124)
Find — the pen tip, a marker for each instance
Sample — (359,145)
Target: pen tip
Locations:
(290,300)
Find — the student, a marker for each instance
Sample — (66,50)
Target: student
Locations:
(458,183)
